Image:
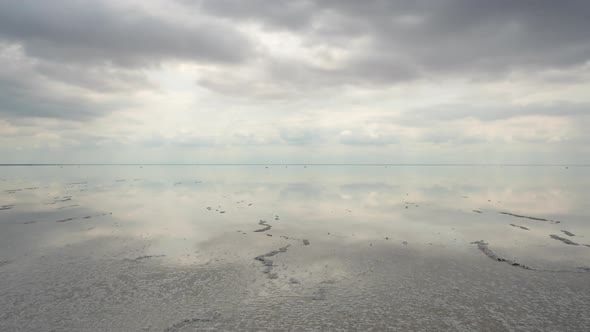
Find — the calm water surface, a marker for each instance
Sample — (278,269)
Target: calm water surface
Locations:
(185,248)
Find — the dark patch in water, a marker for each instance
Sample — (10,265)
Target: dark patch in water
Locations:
(477,211)
(85,217)
(305,242)
(68,206)
(268,263)
(140,258)
(182,325)
(65,220)
(568,233)
(483,247)
(521,216)
(12,191)
(6,207)
(265,228)
(562,239)
(521,227)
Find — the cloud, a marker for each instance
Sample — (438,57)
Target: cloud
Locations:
(299,135)
(273,80)
(79,60)
(427,116)
(94,31)
(365,138)
(27,92)
(388,42)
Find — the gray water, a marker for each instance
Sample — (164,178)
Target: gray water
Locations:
(191,248)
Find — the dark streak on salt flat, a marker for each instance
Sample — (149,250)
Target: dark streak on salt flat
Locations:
(564,240)
(68,206)
(483,247)
(265,228)
(568,233)
(268,263)
(85,217)
(12,191)
(184,324)
(65,220)
(140,258)
(529,217)
(521,227)
(521,216)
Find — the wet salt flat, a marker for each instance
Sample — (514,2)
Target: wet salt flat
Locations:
(185,248)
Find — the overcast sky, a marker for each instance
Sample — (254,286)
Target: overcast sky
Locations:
(310,81)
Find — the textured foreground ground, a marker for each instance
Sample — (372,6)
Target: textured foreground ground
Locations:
(286,248)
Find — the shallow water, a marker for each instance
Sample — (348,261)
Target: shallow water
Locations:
(184,248)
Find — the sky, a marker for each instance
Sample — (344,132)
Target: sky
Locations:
(295,81)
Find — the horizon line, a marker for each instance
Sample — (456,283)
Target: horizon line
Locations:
(289,164)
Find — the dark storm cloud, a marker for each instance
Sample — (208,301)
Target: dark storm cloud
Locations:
(104,48)
(279,13)
(100,48)
(106,79)
(91,31)
(23,98)
(442,36)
